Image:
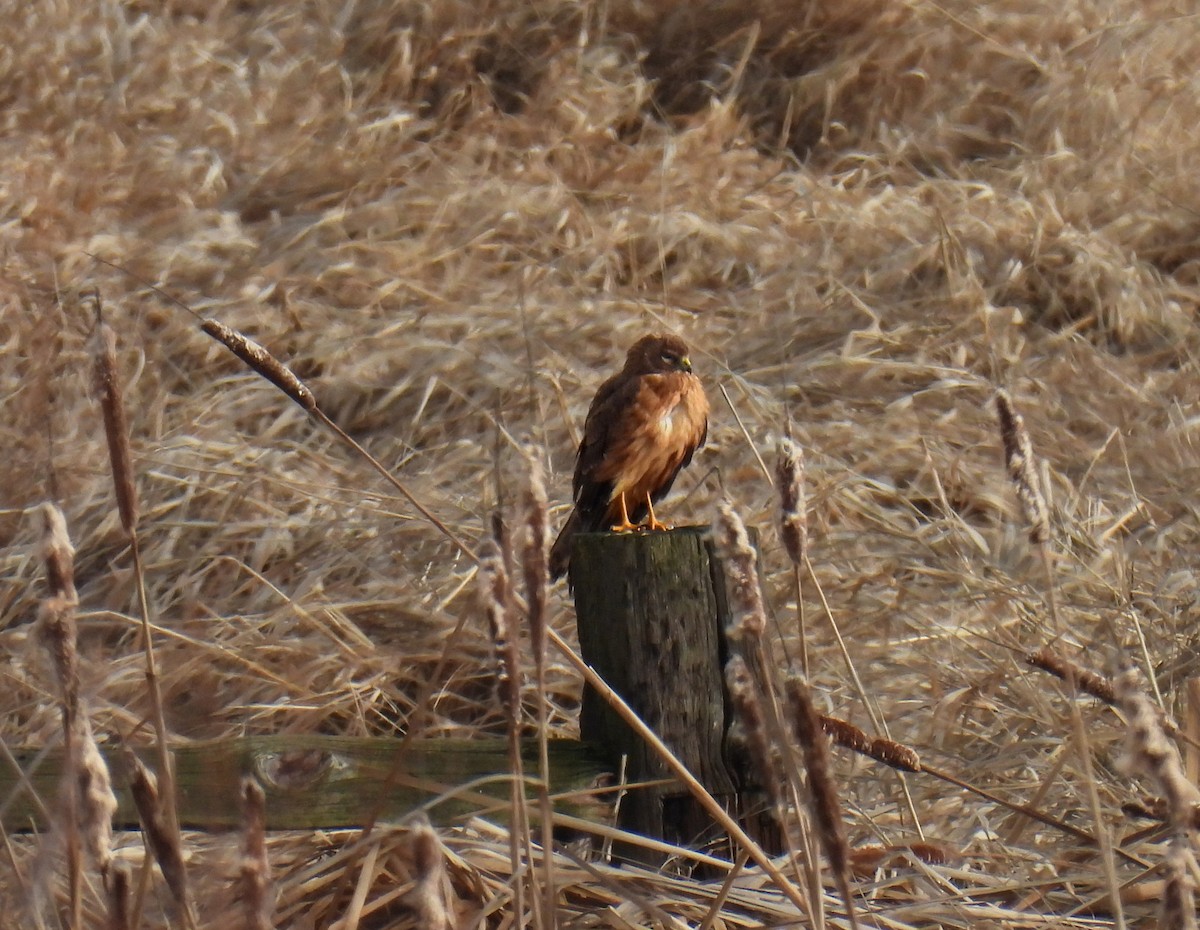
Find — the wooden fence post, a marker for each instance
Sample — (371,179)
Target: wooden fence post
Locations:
(652,613)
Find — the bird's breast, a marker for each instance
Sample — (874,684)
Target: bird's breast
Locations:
(672,419)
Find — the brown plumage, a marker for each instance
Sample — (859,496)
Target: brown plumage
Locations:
(644,425)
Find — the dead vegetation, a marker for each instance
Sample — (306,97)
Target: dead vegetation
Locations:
(450,219)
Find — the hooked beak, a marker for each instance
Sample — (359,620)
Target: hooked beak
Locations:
(685,363)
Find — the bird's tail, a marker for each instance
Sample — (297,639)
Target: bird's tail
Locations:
(560,552)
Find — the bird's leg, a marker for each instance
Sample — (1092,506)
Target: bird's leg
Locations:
(653,524)
(624,526)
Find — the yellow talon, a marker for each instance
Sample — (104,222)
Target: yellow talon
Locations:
(652,524)
(624,526)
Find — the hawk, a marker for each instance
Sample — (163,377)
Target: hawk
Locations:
(644,425)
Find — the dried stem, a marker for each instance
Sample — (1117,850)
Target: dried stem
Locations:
(823,794)
(793,526)
(119,915)
(1022,470)
(496,599)
(267,366)
(89,802)
(536,572)
(107,387)
(748,622)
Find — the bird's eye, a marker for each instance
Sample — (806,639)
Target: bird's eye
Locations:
(668,357)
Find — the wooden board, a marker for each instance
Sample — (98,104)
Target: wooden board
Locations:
(316,781)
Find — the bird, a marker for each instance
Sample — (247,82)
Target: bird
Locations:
(643,427)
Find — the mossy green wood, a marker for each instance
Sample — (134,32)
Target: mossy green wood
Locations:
(652,612)
(317,781)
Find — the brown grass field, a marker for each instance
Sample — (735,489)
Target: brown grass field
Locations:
(451,219)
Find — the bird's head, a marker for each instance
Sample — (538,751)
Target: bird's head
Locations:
(658,353)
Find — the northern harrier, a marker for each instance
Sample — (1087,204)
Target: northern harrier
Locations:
(644,424)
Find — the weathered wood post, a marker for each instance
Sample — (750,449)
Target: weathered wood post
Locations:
(652,614)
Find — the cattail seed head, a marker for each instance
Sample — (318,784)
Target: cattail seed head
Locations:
(97,801)
(428,898)
(1083,679)
(1178,911)
(881,749)
(164,845)
(1149,752)
(106,385)
(793,502)
(263,362)
(257,897)
(1022,468)
(56,630)
(741,571)
(823,794)
(58,554)
(495,597)
(751,723)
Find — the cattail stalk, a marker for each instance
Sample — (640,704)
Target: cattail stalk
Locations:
(264,364)
(1023,472)
(888,751)
(106,385)
(1080,678)
(497,602)
(58,554)
(749,616)
(752,731)
(746,630)
(793,526)
(89,799)
(1178,911)
(257,892)
(906,759)
(1022,468)
(536,572)
(759,734)
(822,792)
(97,800)
(1149,752)
(428,898)
(1026,480)
(165,845)
(119,916)
(56,630)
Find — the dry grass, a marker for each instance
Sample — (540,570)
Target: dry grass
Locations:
(451,219)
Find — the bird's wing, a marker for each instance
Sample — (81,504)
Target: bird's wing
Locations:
(603,428)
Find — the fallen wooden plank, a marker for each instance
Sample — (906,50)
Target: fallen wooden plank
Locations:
(314,781)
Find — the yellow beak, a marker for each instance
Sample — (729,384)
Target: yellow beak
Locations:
(685,363)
